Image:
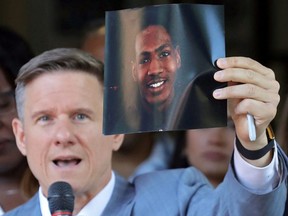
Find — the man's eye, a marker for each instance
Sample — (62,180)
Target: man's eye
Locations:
(80,116)
(164,54)
(144,60)
(44,118)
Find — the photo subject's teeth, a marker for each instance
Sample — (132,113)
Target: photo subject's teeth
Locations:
(155,85)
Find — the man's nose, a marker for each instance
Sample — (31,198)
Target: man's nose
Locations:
(64,133)
(155,67)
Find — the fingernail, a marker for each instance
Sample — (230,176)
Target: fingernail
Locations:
(221,62)
(217,93)
(218,75)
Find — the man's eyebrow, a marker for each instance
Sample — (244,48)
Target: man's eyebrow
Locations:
(145,53)
(163,46)
(36,114)
(83,110)
(158,49)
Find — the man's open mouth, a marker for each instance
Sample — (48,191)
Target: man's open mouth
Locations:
(66,162)
(156,85)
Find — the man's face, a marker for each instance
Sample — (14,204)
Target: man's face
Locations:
(156,64)
(62,132)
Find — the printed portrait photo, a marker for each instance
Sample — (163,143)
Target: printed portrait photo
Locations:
(159,67)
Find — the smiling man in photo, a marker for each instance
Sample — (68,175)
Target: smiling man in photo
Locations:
(155,67)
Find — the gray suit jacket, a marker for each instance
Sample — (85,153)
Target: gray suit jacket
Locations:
(184,192)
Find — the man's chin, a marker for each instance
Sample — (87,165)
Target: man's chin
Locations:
(159,104)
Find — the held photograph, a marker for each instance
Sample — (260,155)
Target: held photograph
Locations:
(159,67)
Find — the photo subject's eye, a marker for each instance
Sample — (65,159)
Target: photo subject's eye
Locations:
(144,60)
(144,57)
(164,54)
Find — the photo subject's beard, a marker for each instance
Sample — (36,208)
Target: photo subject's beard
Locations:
(159,105)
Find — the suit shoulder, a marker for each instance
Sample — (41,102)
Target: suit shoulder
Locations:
(32,207)
(172,176)
(168,190)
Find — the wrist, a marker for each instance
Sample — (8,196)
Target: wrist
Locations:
(259,153)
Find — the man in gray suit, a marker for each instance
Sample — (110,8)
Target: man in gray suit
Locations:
(59,99)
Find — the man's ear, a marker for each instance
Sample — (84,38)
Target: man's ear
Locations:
(18,130)
(117,141)
(178,56)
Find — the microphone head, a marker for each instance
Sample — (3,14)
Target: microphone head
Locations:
(60,197)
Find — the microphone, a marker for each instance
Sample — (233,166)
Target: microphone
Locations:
(61,199)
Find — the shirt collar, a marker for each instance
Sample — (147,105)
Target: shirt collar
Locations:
(95,206)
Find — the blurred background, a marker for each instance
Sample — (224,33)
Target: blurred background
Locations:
(257,29)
